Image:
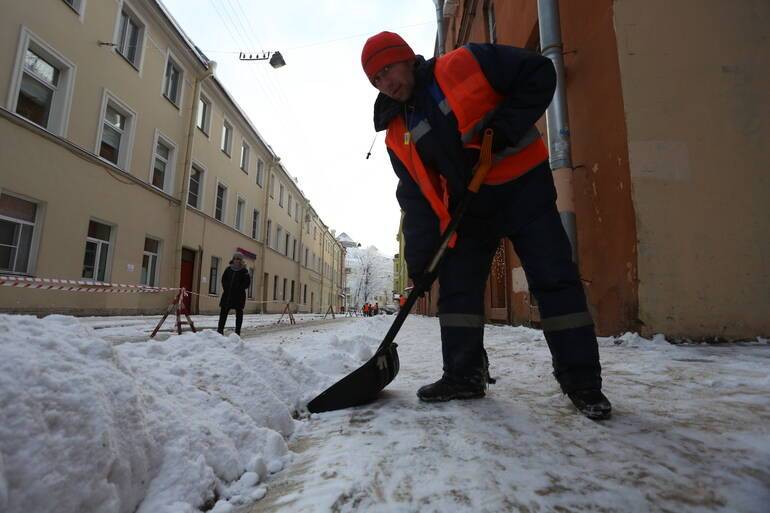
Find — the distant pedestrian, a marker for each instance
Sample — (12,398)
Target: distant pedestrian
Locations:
(235,281)
(376,308)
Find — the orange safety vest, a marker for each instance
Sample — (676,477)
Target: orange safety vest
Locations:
(471,98)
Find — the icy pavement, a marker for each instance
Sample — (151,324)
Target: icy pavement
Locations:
(690,432)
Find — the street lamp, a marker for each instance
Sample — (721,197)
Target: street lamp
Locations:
(275,58)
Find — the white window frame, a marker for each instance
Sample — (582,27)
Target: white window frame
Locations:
(134,13)
(260,178)
(281,194)
(127,142)
(37,226)
(272,185)
(224,201)
(201,185)
(61,103)
(268,234)
(278,237)
(152,281)
(170,57)
(255,222)
(206,129)
(229,143)
(245,156)
(289,204)
(169,179)
(99,242)
(240,212)
(79,6)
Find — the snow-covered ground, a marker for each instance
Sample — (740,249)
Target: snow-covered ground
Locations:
(95,421)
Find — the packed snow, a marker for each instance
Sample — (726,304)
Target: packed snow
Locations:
(98,418)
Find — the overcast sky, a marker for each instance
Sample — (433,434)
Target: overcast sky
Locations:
(316,112)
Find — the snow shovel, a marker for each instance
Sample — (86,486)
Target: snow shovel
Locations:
(363,384)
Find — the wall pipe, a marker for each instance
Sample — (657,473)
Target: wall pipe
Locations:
(440,26)
(212,67)
(559,146)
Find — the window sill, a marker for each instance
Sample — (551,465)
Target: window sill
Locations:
(127,61)
(172,102)
(228,155)
(246,171)
(203,131)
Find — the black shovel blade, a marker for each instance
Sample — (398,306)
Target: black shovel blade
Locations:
(362,385)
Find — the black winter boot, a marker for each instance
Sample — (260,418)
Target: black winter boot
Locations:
(447,389)
(592,403)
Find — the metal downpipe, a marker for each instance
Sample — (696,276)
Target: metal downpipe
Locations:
(559,146)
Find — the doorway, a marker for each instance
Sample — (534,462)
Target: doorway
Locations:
(186,276)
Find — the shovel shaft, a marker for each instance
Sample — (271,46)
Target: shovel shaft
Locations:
(485,163)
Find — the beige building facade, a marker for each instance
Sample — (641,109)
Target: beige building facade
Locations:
(123,160)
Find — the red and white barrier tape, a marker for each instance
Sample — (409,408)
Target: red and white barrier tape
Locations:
(79,285)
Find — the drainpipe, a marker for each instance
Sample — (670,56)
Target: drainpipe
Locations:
(212,66)
(558,124)
(269,172)
(440,26)
(299,254)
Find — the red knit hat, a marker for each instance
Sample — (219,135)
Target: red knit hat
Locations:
(383,49)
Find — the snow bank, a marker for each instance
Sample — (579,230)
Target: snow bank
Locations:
(194,422)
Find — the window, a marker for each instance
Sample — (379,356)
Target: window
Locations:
(172,85)
(204,115)
(150,262)
(251,283)
(289,205)
(196,179)
(42,84)
(286,245)
(306,253)
(213,275)
(17,227)
(255,225)
(76,5)
(272,185)
(275,287)
(116,132)
(268,233)
(221,204)
(296,212)
(163,163)
(280,197)
(245,157)
(227,138)
(489,9)
(130,36)
(294,249)
(260,172)
(97,251)
(315,232)
(283,296)
(304,293)
(291,298)
(278,237)
(240,208)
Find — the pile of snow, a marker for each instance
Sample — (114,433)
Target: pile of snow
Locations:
(192,423)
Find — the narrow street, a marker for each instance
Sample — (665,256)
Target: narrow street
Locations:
(690,432)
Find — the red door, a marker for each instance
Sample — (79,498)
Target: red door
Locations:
(186,277)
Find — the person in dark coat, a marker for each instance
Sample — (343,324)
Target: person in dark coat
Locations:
(435,112)
(235,281)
